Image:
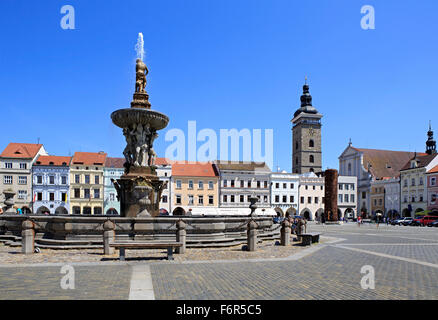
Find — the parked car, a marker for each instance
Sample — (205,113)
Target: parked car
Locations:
(395,221)
(433,224)
(425,220)
(406,221)
(416,222)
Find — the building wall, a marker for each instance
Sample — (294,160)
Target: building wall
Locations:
(392,196)
(184,191)
(165,174)
(24,200)
(82,201)
(413,190)
(284,192)
(110,192)
(60,204)
(303,132)
(432,190)
(313,188)
(230,186)
(347,196)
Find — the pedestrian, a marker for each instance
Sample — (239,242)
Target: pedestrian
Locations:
(1,210)
(358,221)
(19,211)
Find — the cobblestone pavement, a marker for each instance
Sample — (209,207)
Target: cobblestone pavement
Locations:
(405,261)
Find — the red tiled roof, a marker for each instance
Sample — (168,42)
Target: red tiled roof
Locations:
(433,170)
(114,162)
(21,150)
(423,159)
(53,161)
(193,169)
(90,158)
(242,165)
(162,161)
(384,163)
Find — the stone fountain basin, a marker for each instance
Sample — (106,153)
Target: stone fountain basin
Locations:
(124,118)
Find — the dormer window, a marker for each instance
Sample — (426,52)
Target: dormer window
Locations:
(413,164)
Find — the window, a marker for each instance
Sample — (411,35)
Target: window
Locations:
(277,186)
(51,196)
(7,180)
(346,186)
(76,210)
(316,200)
(22,180)
(249,183)
(64,197)
(190,199)
(247,198)
(413,182)
(352,197)
(284,185)
(296,145)
(87,179)
(164,199)
(405,184)
(340,198)
(413,199)
(51,179)
(258,184)
(242,198)
(178,184)
(225,198)
(22,194)
(311,144)
(433,181)
(77,193)
(265,184)
(380,202)
(97,210)
(96,180)
(421,198)
(210,200)
(291,199)
(201,200)
(190,184)
(352,186)
(265,199)
(63,179)
(309,200)
(39,179)
(284,199)
(421,181)
(232,198)
(292,186)
(242,184)
(87,194)
(39,196)
(225,183)
(307,187)
(314,187)
(364,195)
(311,159)
(23,165)
(178,199)
(77,178)
(346,198)
(277,198)
(200,184)
(349,169)
(8,165)
(232,183)
(96,193)
(340,186)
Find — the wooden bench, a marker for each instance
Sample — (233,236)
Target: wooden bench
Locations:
(146,245)
(309,238)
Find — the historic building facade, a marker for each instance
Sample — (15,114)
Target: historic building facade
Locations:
(306,136)
(113,169)
(51,183)
(164,172)
(241,180)
(413,181)
(284,192)
(432,190)
(16,163)
(86,183)
(195,188)
(347,197)
(311,196)
(369,165)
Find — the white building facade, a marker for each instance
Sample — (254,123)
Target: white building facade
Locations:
(284,192)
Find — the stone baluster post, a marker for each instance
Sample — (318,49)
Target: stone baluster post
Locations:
(285,233)
(252,236)
(181,234)
(27,237)
(109,236)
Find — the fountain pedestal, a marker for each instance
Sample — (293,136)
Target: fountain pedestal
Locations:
(139,189)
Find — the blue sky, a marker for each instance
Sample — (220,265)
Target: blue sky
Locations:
(224,64)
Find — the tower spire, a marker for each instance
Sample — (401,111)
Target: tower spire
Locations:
(430,143)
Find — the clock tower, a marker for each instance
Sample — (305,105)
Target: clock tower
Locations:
(306,136)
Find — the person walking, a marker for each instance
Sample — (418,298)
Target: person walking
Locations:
(358,221)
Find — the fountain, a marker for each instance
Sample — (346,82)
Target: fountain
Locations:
(139,189)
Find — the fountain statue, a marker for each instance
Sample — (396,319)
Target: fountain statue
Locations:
(139,189)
